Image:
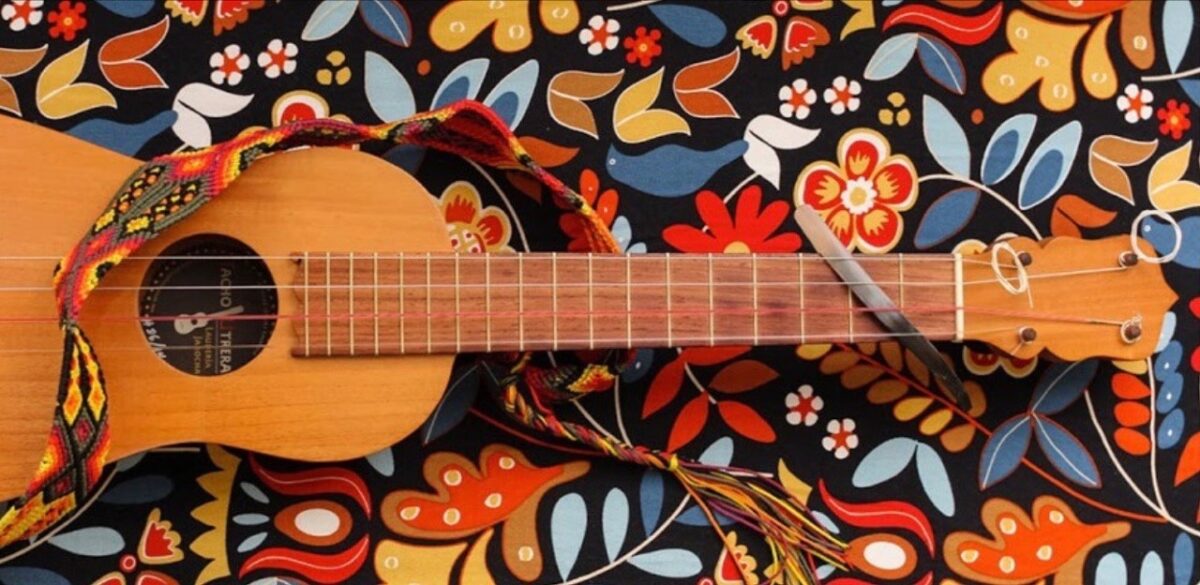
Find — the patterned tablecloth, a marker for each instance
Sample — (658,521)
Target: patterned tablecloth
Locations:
(694,127)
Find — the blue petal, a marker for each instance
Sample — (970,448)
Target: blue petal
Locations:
(128,8)
(568,525)
(1191,87)
(251,519)
(511,96)
(330,17)
(1178,23)
(642,360)
(462,83)
(95,541)
(1066,453)
(388,92)
(719,453)
(1152,570)
(30,576)
(1170,390)
(690,169)
(1171,429)
(693,24)
(126,139)
(615,522)
(1049,165)
(884,462)
(383,461)
(1003,451)
(388,19)
(1167,360)
(139,490)
(891,57)
(694,516)
(1007,146)
(934,479)
(254,492)
(650,495)
(1183,559)
(948,215)
(1061,385)
(942,64)
(622,232)
(252,542)
(946,140)
(1166,332)
(1111,570)
(675,563)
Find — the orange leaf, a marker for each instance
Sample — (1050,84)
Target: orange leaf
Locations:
(689,424)
(547,154)
(1189,461)
(746,421)
(711,356)
(120,57)
(1129,387)
(693,86)
(14,62)
(741,376)
(525,184)
(664,388)
(567,92)
(1131,441)
(1109,155)
(838,362)
(1131,414)
(1072,212)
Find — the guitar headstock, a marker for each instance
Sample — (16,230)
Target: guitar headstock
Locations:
(1073,298)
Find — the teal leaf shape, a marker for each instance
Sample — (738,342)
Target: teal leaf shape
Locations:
(942,63)
(387,19)
(884,462)
(512,94)
(948,215)
(568,525)
(946,139)
(1112,566)
(719,453)
(388,92)
(1152,572)
(1183,558)
(1066,453)
(1061,385)
(1178,22)
(675,563)
(463,82)
(1003,451)
(934,479)
(330,17)
(94,541)
(1048,166)
(891,57)
(650,496)
(615,521)
(693,24)
(1007,146)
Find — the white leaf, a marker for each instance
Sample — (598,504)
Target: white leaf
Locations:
(761,158)
(209,101)
(779,133)
(192,128)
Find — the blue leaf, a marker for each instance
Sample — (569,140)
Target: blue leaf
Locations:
(642,360)
(1111,570)
(719,453)
(1192,88)
(252,542)
(935,480)
(945,137)
(615,522)
(692,23)
(1183,559)
(1152,570)
(690,169)
(1007,146)
(1003,451)
(511,96)
(461,83)
(1171,429)
(388,19)
(622,232)
(942,64)
(251,519)
(95,541)
(126,139)
(330,17)
(650,495)
(388,93)
(1049,165)
(891,57)
(1162,237)
(1178,22)
(383,461)
(1061,385)
(1166,331)
(946,217)
(139,490)
(884,462)
(1066,453)
(1170,390)
(694,516)
(825,521)
(568,525)
(254,492)
(128,8)
(676,563)
(30,576)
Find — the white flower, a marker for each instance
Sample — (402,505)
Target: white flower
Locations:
(796,99)
(277,58)
(600,34)
(1135,103)
(842,97)
(841,438)
(22,13)
(803,406)
(228,65)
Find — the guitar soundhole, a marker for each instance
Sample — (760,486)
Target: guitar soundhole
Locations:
(208,305)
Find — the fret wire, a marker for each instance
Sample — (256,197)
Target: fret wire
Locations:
(958,297)
(712,315)
(521,301)
(401,299)
(487,291)
(754,291)
(554,295)
(900,277)
(850,312)
(591,304)
(375,298)
(350,294)
(803,338)
(667,264)
(428,303)
(629,299)
(457,307)
(307,311)
(328,309)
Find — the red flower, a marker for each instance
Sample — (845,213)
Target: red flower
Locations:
(748,230)
(604,203)
(67,20)
(643,46)
(1174,119)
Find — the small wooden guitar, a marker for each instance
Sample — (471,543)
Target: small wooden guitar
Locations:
(325,328)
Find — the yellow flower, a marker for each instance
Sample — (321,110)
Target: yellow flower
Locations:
(458,23)
(473,228)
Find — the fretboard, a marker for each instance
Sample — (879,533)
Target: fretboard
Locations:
(365,304)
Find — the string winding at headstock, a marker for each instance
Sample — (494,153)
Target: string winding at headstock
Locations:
(1073,298)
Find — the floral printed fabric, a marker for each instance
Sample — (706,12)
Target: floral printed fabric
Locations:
(910,126)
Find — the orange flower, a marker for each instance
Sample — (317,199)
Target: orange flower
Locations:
(747,230)
(67,20)
(861,196)
(473,228)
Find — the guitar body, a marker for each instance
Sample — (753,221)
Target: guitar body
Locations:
(312,409)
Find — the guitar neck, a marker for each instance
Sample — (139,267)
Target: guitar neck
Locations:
(365,304)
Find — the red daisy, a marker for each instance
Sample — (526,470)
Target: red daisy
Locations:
(67,20)
(1174,118)
(747,230)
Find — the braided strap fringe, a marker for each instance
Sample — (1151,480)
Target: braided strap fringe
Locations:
(753,499)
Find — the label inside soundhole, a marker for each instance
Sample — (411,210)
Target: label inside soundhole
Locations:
(204,305)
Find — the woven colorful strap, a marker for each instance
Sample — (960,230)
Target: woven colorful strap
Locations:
(169,188)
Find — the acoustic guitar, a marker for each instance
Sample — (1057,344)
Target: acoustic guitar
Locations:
(314,310)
